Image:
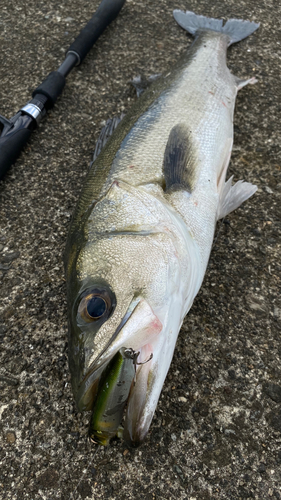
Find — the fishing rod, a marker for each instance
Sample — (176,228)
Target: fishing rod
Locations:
(15,133)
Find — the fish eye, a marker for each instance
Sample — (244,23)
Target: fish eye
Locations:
(96,304)
(96,307)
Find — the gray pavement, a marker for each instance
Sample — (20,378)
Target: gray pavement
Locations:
(216,433)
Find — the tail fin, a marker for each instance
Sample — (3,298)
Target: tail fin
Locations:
(236,29)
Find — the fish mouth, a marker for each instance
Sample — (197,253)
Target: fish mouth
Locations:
(138,327)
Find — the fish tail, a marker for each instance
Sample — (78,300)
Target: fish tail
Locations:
(236,29)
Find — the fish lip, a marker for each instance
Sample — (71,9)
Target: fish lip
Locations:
(97,367)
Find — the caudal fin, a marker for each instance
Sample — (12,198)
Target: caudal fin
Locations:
(236,29)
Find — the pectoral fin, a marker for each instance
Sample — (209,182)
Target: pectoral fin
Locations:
(179,165)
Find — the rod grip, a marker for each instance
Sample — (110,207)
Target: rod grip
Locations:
(12,144)
(105,14)
(51,88)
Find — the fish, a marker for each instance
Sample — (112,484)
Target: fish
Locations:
(143,228)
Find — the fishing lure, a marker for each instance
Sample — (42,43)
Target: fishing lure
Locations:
(113,393)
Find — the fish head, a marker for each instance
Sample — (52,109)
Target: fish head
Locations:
(125,290)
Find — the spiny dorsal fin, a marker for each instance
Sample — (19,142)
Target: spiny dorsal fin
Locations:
(106,132)
(179,159)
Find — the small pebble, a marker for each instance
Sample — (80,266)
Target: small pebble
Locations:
(9,257)
(262,468)
(257,231)
(182,399)
(11,437)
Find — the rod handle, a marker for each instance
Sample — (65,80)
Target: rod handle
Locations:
(13,142)
(51,88)
(105,14)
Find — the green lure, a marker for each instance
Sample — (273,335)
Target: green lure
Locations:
(113,392)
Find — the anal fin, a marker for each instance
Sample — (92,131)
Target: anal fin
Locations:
(240,83)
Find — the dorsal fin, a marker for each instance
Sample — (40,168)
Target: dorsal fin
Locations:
(140,83)
(179,160)
(105,133)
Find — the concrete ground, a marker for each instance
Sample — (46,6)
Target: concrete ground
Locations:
(216,433)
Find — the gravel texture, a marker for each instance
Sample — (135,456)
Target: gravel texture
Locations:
(216,433)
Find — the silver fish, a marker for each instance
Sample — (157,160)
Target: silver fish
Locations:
(143,228)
